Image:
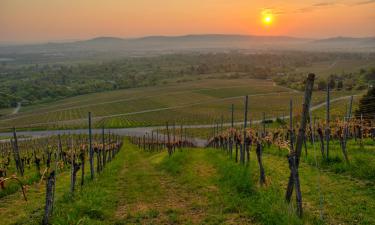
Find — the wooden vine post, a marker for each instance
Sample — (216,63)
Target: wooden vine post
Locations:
(157,140)
(264,125)
(221,124)
(109,150)
(262,176)
(103,148)
(328,130)
(291,133)
(82,158)
(221,137)
(346,130)
(244,131)
(59,151)
(144,143)
(50,195)
(98,158)
(294,155)
(91,152)
(169,147)
(185,135)
(217,134)
(16,153)
(181,133)
(231,133)
(74,168)
(361,132)
(174,137)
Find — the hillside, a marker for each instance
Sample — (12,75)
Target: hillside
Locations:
(193,102)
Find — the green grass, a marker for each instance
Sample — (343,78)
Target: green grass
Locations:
(95,202)
(15,210)
(6,111)
(339,198)
(266,205)
(361,160)
(238,197)
(175,164)
(199,186)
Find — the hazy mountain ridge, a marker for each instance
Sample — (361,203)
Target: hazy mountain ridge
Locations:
(346,40)
(191,42)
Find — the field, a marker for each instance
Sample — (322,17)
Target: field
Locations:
(195,102)
(337,66)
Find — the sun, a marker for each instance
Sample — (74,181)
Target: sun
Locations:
(267,16)
(267,19)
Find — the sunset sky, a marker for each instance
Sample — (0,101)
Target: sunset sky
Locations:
(58,20)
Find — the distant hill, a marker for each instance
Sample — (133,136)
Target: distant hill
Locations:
(367,43)
(204,42)
(346,40)
(218,37)
(103,39)
(156,43)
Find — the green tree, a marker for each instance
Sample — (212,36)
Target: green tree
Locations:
(367,105)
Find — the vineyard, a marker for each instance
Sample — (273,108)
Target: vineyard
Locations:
(195,102)
(27,163)
(214,153)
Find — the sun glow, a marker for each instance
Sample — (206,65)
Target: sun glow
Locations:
(267,19)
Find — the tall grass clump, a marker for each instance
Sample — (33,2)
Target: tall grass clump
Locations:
(241,194)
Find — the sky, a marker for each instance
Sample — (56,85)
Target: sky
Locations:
(62,20)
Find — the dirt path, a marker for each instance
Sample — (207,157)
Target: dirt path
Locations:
(17,109)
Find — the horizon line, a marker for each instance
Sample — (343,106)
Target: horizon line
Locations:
(72,40)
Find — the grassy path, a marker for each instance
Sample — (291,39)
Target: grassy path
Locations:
(194,186)
(152,196)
